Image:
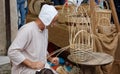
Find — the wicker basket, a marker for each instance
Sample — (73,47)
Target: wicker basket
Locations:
(84,8)
(80,34)
(81,49)
(65,12)
(69,10)
(99,13)
(104,26)
(78,19)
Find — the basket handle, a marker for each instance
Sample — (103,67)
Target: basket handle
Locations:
(65,5)
(107,5)
(78,34)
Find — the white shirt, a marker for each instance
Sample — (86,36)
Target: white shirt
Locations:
(30,43)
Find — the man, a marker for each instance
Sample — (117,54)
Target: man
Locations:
(28,52)
(22,11)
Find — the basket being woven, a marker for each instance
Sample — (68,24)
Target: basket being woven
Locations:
(80,35)
(81,49)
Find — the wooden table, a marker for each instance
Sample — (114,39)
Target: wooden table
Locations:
(98,59)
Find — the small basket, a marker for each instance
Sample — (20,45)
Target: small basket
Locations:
(104,27)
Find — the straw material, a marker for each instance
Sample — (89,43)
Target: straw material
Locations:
(81,46)
(86,8)
(69,10)
(104,26)
(66,10)
(99,13)
(80,35)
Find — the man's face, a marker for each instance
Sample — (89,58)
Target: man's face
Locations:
(54,21)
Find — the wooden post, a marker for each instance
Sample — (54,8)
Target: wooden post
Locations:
(92,7)
(115,18)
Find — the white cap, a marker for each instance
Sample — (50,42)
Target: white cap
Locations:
(47,14)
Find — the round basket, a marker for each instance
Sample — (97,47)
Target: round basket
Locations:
(81,56)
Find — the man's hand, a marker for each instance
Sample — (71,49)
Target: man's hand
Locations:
(37,65)
(33,65)
(55,60)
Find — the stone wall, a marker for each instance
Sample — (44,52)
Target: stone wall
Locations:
(13,19)
(2,28)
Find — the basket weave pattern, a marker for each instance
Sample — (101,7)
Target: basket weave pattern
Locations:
(80,36)
(65,12)
(99,13)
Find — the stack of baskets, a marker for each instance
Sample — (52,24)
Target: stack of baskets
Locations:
(80,36)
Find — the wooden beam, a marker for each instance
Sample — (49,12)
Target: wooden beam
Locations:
(114,14)
(92,11)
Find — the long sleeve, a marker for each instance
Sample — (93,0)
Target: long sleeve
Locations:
(15,50)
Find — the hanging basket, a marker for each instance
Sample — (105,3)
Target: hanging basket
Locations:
(104,26)
(99,13)
(80,16)
(65,12)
